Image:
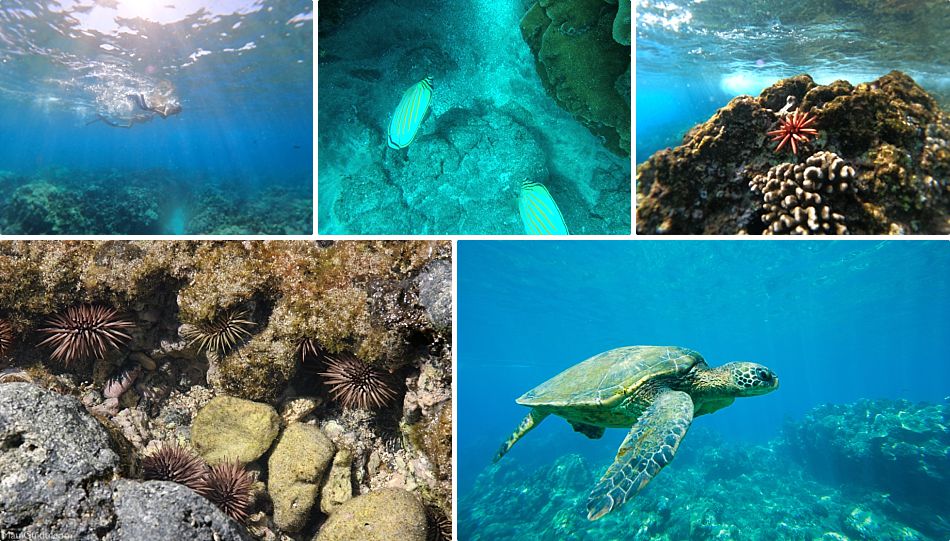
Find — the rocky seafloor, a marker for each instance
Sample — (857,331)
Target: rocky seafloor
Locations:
(271,390)
(522,91)
(879,164)
(65,201)
(870,470)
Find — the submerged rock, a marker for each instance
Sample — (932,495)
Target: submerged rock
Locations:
(295,470)
(56,462)
(166,510)
(338,488)
(383,515)
(229,428)
(892,135)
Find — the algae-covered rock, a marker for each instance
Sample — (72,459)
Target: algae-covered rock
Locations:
(338,488)
(55,464)
(383,515)
(260,369)
(890,132)
(579,62)
(230,428)
(295,471)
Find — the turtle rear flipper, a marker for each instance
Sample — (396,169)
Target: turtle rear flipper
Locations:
(530,421)
(648,447)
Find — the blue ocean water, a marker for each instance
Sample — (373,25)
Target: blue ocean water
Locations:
(78,138)
(491,125)
(839,322)
(693,56)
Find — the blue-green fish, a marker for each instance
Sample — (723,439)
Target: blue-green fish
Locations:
(410,113)
(539,212)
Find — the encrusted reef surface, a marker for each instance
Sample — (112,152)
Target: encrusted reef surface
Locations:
(225,390)
(64,201)
(879,452)
(879,164)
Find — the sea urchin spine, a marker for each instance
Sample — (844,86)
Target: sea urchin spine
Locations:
(85,331)
(220,334)
(356,384)
(6,336)
(229,486)
(174,463)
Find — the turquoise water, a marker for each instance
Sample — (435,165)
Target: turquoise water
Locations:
(83,153)
(859,325)
(491,126)
(693,56)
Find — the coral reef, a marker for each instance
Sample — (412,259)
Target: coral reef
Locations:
(61,201)
(892,135)
(830,475)
(582,50)
(251,404)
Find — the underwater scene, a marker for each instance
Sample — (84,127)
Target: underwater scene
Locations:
(280,390)
(805,117)
(812,378)
(179,117)
(474,117)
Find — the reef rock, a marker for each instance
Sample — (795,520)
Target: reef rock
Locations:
(893,446)
(382,515)
(435,293)
(166,510)
(580,54)
(229,428)
(890,134)
(338,488)
(295,471)
(56,461)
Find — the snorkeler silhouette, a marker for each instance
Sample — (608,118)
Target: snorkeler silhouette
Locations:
(160,100)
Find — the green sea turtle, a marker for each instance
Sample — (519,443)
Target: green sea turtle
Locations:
(655,390)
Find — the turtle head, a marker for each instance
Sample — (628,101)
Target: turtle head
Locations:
(750,379)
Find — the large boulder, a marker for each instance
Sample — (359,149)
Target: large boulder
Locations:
(229,428)
(56,462)
(165,510)
(383,515)
(295,472)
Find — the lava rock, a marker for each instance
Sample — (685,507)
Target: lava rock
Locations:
(166,510)
(55,463)
(382,515)
(296,470)
(229,428)
(435,292)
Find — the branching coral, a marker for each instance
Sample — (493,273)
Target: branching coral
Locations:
(356,384)
(796,198)
(222,333)
(85,331)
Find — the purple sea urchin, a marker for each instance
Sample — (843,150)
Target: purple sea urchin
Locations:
(308,348)
(228,486)
(85,331)
(220,334)
(172,462)
(6,336)
(356,384)
(438,525)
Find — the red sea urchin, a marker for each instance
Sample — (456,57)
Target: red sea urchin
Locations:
(356,384)
(174,463)
(6,336)
(794,129)
(85,331)
(229,486)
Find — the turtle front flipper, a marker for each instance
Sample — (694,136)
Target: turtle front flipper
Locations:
(530,421)
(648,447)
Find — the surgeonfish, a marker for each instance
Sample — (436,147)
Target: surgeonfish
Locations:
(410,113)
(539,212)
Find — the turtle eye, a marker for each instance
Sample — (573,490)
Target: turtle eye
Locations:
(763,374)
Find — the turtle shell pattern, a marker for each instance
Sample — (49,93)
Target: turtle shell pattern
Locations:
(604,379)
